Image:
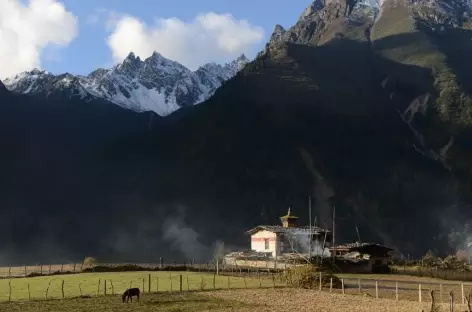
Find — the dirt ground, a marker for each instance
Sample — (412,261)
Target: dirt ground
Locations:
(283,300)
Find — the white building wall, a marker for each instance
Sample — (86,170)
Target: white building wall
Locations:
(259,239)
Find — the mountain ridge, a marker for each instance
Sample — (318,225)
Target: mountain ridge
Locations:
(155,84)
(375,121)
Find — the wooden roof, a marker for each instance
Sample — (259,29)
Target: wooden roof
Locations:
(280,229)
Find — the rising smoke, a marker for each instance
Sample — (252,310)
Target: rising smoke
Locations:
(300,242)
(183,237)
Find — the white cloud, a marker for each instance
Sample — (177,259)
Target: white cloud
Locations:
(209,37)
(26,29)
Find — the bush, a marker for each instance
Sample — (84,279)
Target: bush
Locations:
(452,263)
(429,260)
(90,261)
(308,277)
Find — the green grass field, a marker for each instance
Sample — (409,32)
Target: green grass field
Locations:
(156,302)
(93,284)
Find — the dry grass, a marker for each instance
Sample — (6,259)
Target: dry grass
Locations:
(401,278)
(283,300)
(261,300)
(161,302)
(91,284)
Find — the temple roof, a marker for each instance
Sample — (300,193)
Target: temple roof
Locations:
(292,230)
(288,215)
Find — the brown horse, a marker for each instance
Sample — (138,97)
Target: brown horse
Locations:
(129,293)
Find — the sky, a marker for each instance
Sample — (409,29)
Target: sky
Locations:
(79,36)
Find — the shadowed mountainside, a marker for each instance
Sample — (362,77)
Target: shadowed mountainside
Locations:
(348,122)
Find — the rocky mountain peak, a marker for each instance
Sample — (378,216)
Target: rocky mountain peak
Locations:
(156,84)
(322,20)
(313,8)
(277,34)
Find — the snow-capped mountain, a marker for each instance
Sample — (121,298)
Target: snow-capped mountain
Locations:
(155,84)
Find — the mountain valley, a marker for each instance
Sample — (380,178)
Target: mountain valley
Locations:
(366,106)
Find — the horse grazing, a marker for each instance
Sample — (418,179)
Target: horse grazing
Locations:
(128,294)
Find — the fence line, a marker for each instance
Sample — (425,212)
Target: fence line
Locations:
(400,290)
(171,281)
(148,282)
(57,269)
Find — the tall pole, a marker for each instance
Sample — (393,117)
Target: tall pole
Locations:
(358,236)
(311,234)
(334,222)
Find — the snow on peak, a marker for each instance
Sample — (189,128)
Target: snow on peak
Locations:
(155,84)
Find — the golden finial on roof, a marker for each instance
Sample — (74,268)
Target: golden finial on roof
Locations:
(288,213)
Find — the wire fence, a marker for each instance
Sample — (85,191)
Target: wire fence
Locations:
(99,284)
(446,274)
(175,277)
(402,290)
(71,268)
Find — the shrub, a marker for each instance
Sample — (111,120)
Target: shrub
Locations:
(307,276)
(429,260)
(90,261)
(452,263)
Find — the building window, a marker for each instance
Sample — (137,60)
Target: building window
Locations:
(266,243)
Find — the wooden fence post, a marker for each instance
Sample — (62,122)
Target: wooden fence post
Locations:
(331,284)
(321,279)
(396,290)
(359,285)
(29,292)
(229,283)
(157,284)
(462,293)
(451,301)
(342,285)
(9,291)
(62,288)
(440,293)
(171,288)
(419,293)
(47,290)
(467,299)
(143,284)
(180,282)
(376,289)
(98,287)
(112,288)
(80,289)
(149,283)
(214,281)
(105,287)
(433,303)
